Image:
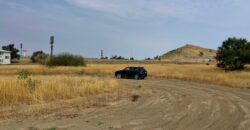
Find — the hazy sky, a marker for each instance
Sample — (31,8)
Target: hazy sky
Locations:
(139,28)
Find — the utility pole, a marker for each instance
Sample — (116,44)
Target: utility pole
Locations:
(101,54)
(21,49)
(52,45)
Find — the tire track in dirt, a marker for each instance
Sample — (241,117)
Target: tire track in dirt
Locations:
(164,105)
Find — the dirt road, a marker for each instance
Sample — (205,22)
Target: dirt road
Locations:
(163,105)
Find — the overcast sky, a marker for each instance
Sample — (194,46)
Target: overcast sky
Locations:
(138,28)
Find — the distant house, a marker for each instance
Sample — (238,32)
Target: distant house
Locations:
(5,57)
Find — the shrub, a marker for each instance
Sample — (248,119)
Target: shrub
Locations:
(201,54)
(104,58)
(148,58)
(115,57)
(39,57)
(28,82)
(23,74)
(135,97)
(66,59)
(233,54)
(157,58)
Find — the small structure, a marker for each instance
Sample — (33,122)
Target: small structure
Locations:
(24,53)
(5,57)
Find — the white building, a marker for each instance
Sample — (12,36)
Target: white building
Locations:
(5,57)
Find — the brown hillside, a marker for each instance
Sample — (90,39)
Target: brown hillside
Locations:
(190,53)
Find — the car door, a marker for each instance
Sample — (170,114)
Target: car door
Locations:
(126,72)
(133,72)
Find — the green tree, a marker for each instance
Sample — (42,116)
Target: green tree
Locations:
(14,51)
(39,57)
(115,57)
(148,58)
(233,54)
(157,58)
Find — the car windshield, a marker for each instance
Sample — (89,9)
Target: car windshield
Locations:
(127,69)
(132,68)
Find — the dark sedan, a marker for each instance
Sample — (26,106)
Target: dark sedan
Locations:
(132,73)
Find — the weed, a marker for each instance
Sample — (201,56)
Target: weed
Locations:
(51,129)
(29,83)
(23,74)
(135,97)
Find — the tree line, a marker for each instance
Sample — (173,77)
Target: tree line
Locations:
(233,54)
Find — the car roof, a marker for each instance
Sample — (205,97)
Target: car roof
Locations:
(135,67)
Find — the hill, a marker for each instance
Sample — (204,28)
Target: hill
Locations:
(190,53)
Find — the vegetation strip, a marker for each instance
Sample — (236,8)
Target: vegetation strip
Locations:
(205,73)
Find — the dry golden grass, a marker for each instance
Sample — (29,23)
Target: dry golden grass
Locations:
(203,74)
(191,72)
(51,88)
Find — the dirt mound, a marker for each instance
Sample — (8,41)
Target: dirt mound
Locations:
(190,53)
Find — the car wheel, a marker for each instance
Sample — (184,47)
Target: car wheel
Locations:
(136,76)
(118,76)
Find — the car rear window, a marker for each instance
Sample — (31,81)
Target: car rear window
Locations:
(142,69)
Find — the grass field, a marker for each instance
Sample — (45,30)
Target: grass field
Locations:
(190,72)
(56,87)
(42,89)
(47,93)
